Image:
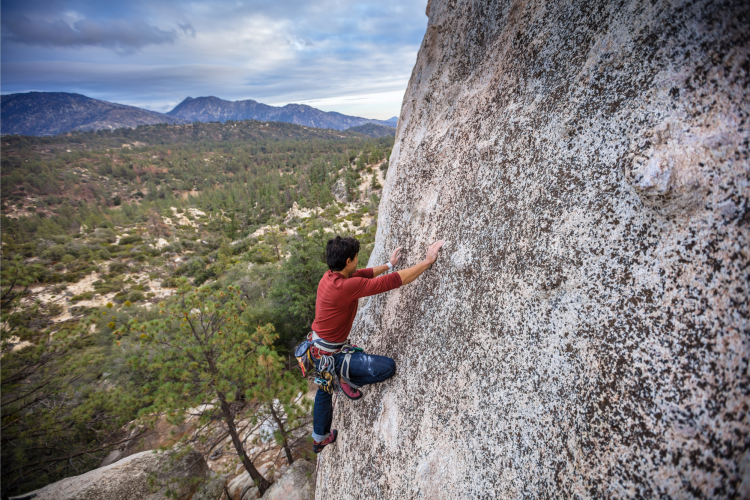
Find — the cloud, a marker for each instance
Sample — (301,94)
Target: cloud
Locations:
(326,52)
(119,34)
(188,29)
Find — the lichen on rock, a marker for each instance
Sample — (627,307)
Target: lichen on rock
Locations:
(585,332)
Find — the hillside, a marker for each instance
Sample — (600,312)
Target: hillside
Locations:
(107,223)
(584,331)
(206,109)
(197,158)
(374,130)
(51,113)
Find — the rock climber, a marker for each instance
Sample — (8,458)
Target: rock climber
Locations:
(335,308)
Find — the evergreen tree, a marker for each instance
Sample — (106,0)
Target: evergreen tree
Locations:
(296,289)
(56,421)
(282,395)
(201,350)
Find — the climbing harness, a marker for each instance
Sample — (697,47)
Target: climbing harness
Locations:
(326,378)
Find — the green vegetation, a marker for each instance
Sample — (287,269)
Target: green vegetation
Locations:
(103,230)
(201,349)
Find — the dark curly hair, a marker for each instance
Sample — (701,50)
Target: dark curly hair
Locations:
(338,250)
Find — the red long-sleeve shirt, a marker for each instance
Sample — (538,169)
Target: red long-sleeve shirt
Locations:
(336,304)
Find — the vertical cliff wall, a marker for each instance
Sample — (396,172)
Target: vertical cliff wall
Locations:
(585,331)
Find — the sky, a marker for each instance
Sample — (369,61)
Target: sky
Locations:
(354,57)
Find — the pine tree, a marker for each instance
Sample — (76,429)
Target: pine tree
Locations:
(201,350)
(281,395)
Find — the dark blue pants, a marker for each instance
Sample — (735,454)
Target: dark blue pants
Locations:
(364,369)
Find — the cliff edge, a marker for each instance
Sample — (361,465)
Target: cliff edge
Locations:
(585,330)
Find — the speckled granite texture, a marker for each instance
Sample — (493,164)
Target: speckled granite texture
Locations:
(585,331)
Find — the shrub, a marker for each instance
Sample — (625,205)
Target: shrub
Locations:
(170,282)
(260,254)
(55,252)
(130,239)
(82,296)
(104,234)
(191,267)
(204,275)
(117,267)
(73,277)
(76,249)
(135,296)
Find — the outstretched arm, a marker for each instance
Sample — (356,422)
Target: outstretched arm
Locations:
(412,273)
(395,256)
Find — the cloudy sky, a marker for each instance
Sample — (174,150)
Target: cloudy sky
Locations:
(350,56)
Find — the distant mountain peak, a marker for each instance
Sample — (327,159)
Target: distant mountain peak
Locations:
(51,113)
(211,108)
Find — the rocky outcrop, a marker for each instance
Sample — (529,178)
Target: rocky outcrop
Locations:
(131,479)
(585,330)
(142,438)
(242,488)
(297,483)
(339,191)
(212,488)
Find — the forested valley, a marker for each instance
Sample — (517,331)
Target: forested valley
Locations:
(158,278)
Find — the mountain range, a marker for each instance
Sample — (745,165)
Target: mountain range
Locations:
(51,113)
(213,109)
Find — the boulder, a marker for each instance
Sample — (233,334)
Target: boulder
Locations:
(128,479)
(584,333)
(338,190)
(242,487)
(142,438)
(296,483)
(212,488)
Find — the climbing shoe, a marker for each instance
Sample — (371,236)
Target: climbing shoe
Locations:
(349,391)
(318,447)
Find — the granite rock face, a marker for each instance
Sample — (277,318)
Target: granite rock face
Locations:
(584,333)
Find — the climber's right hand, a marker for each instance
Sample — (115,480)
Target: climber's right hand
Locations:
(432,252)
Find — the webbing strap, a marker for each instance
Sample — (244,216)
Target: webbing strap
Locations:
(327,345)
(345,370)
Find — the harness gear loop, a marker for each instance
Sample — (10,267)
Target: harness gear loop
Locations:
(325,372)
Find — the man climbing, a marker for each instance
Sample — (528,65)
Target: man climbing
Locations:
(338,292)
